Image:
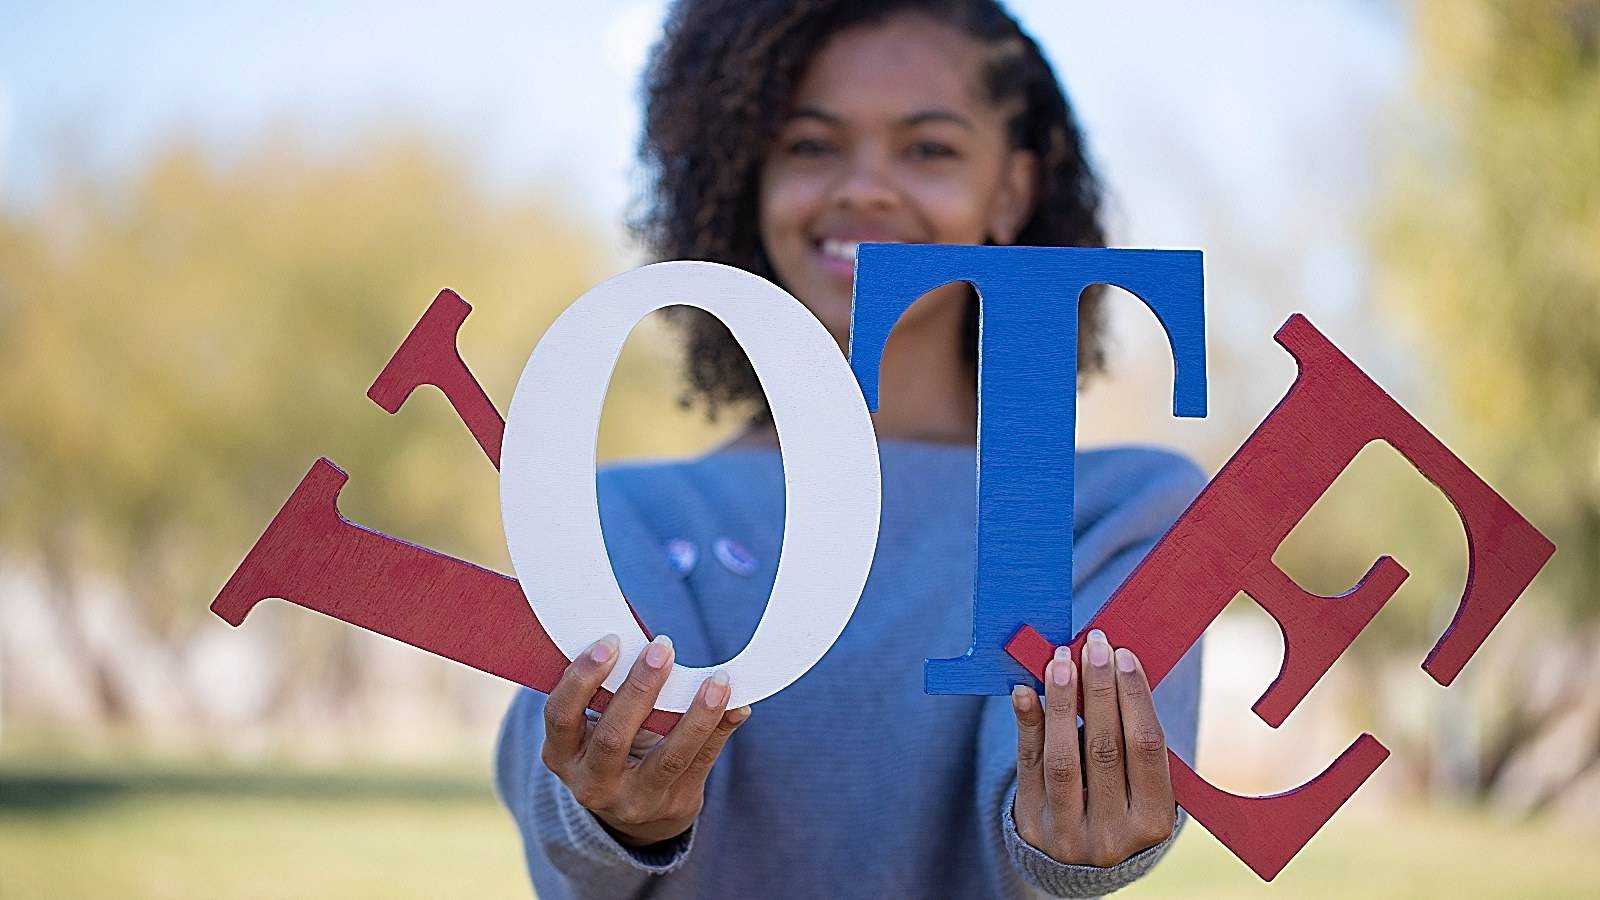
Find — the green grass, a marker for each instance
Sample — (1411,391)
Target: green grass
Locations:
(153,831)
(158,833)
(1420,852)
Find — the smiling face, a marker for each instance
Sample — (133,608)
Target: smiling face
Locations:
(891,139)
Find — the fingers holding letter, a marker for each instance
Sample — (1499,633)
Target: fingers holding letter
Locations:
(1150,801)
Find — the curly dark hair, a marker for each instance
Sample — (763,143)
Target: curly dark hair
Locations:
(717,91)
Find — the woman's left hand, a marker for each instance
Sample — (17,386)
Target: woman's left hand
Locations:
(1102,804)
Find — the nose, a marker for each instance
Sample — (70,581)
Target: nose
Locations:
(865,183)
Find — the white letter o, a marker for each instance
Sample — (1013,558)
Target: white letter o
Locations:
(830,474)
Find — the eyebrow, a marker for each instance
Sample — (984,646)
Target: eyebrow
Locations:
(921,117)
(938,115)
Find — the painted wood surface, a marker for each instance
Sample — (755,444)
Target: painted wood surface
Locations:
(430,355)
(313,557)
(1027,411)
(1224,543)
(831,481)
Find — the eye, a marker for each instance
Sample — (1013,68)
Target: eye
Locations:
(810,147)
(931,150)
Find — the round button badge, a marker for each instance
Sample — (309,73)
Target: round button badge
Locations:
(681,555)
(734,557)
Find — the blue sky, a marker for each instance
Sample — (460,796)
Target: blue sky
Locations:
(546,93)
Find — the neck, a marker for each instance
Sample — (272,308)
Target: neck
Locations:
(926,388)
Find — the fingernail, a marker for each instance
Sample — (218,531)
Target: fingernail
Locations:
(602,650)
(1061,671)
(716,689)
(655,655)
(738,716)
(1125,659)
(1020,698)
(1099,652)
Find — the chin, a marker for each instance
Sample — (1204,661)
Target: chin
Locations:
(834,314)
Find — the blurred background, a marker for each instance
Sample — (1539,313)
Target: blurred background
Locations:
(216,225)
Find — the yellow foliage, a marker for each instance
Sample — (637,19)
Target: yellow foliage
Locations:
(1490,245)
(177,347)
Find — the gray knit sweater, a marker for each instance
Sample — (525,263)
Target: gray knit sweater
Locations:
(852,782)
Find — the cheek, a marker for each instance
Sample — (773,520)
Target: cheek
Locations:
(788,201)
(956,209)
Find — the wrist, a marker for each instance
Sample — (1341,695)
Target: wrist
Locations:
(643,837)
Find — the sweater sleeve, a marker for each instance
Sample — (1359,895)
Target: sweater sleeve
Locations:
(1043,872)
(568,852)
(1107,553)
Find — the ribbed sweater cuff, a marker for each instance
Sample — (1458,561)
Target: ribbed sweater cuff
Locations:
(1064,880)
(586,833)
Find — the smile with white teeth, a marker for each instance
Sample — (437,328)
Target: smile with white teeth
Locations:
(843,250)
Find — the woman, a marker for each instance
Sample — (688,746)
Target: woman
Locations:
(781,134)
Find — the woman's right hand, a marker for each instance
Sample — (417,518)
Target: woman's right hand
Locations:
(645,791)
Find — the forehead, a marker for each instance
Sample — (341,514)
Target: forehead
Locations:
(905,63)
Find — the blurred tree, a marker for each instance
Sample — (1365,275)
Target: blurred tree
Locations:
(178,346)
(1485,243)
(1491,248)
